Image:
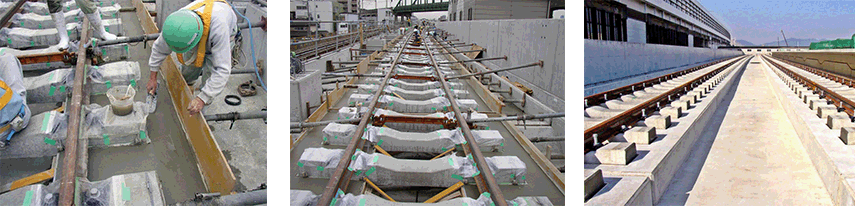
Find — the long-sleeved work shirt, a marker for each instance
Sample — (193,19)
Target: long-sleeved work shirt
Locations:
(218,56)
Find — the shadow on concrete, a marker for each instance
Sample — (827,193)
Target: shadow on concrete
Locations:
(684,180)
(610,182)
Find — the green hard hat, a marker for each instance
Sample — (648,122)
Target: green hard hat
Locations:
(182,30)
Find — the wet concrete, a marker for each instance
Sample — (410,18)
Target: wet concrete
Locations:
(14,169)
(169,153)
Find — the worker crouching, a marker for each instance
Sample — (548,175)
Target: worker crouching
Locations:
(201,34)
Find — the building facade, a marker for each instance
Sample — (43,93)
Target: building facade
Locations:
(468,10)
(322,11)
(668,22)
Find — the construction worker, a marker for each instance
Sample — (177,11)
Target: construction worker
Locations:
(201,34)
(14,112)
(92,12)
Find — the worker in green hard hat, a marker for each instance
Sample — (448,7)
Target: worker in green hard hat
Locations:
(201,35)
(93,13)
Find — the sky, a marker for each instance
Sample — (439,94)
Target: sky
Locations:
(761,21)
(370,4)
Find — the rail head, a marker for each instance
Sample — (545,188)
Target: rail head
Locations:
(482,165)
(609,128)
(341,175)
(602,97)
(838,100)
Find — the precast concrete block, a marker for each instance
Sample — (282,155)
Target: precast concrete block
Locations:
(658,121)
(616,153)
(673,112)
(824,111)
(805,92)
(698,94)
(593,182)
(682,104)
(641,135)
(692,99)
(816,103)
(808,98)
(838,121)
(847,134)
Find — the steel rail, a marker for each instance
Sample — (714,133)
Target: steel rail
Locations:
(68,176)
(838,100)
(473,148)
(609,128)
(819,72)
(5,21)
(602,97)
(341,176)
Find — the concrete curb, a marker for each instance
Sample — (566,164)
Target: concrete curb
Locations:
(832,159)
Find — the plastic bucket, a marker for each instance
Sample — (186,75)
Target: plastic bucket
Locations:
(121,99)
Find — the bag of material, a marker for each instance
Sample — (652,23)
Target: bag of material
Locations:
(393,140)
(530,201)
(106,129)
(40,21)
(20,38)
(303,198)
(53,86)
(106,76)
(43,137)
(507,169)
(338,134)
(388,171)
(371,199)
(318,162)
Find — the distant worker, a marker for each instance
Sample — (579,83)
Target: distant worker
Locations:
(201,34)
(93,13)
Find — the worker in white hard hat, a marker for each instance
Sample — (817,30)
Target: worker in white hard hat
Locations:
(201,34)
(92,12)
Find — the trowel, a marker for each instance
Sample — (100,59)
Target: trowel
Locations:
(151,101)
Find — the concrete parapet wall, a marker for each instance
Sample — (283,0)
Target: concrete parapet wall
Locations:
(523,41)
(612,64)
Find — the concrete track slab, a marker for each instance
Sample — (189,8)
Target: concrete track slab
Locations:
(756,158)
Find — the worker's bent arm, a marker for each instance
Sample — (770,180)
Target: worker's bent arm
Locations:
(159,51)
(221,55)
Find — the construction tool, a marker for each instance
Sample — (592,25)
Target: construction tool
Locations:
(151,102)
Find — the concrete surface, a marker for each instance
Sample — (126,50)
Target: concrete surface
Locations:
(169,154)
(756,158)
(830,156)
(593,182)
(523,41)
(661,160)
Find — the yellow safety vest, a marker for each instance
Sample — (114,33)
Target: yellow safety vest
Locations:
(206,27)
(5,100)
